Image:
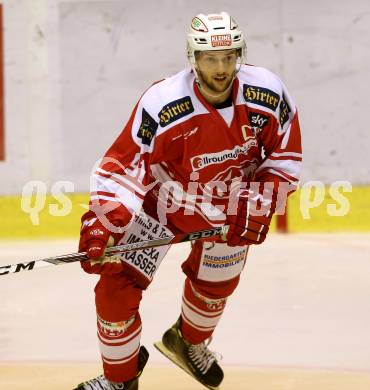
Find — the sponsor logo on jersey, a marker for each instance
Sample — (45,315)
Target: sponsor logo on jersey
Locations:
(204,160)
(258,120)
(147,129)
(284,112)
(221,40)
(261,96)
(246,133)
(175,110)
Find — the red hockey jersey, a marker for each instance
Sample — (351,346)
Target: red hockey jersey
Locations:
(178,152)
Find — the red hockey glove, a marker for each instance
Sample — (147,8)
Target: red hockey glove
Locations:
(95,236)
(252,220)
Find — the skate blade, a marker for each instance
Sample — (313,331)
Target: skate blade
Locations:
(166,352)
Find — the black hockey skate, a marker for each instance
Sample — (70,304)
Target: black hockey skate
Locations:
(101,383)
(196,359)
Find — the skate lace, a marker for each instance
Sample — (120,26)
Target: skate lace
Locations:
(100,383)
(202,357)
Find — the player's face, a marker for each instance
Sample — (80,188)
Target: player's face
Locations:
(217,68)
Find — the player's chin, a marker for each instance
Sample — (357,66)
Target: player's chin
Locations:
(221,85)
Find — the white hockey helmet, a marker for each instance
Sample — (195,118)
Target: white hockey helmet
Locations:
(214,32)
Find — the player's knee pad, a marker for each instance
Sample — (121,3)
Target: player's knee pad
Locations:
(117,297)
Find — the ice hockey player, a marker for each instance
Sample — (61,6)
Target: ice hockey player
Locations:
(190,141)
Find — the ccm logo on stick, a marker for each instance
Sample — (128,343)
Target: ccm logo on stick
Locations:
(17,268)
(202,234)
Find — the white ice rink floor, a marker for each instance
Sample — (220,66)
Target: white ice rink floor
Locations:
(300,318)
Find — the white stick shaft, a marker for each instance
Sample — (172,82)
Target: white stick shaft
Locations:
(111,251)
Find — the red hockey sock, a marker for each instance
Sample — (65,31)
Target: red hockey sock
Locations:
(119,344)
(199,314)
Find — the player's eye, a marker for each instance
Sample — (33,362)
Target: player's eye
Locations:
(211,60)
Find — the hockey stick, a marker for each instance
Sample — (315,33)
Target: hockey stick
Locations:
(113,250)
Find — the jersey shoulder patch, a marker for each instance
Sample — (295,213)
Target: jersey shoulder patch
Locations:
(147,129)
(170,99)
(260,86)
(175,110)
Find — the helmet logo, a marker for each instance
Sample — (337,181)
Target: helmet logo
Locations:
(221,40)
(198,25)
(215,17)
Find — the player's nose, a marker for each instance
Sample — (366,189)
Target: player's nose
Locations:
(220,67)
